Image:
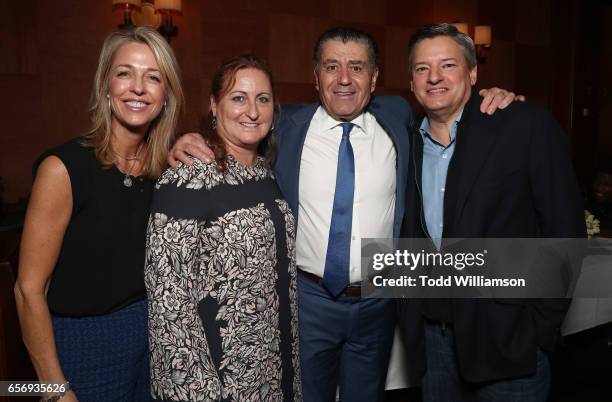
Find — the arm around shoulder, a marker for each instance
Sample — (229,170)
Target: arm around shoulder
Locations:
(187,146)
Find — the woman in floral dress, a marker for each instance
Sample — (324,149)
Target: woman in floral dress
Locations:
(220,267)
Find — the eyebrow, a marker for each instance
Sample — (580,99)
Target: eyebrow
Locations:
(443,60)
(354,62)
(330,61)
(131,66)
(238,91)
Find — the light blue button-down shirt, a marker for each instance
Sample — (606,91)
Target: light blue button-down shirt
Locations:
(436,158)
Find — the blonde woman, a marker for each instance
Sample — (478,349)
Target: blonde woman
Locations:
(80,289)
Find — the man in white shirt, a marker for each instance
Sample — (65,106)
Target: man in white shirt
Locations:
(344,340)
(342,165)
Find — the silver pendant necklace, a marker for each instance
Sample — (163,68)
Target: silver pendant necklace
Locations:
(127,180)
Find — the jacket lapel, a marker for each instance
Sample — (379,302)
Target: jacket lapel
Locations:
(287,170)
(417,160)
(474,141)
(399,134)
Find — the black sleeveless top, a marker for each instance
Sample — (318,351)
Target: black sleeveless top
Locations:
(100,268)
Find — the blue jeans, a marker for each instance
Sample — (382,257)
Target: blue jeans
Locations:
(106,358)
(443,383)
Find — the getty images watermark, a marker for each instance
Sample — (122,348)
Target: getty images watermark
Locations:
(485,268)
(405,259)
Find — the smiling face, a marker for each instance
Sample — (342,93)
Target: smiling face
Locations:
(244,114)
(136,89)
(441,79)
(345,79)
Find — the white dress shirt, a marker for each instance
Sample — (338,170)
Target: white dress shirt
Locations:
(374,198)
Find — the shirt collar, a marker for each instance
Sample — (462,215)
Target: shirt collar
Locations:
(326,122)
(424,128)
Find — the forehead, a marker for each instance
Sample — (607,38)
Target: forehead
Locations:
(336,49)
(251,79)
(440,47)
(135,53)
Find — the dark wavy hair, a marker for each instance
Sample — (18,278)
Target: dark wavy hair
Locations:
(223,80)
(345,35)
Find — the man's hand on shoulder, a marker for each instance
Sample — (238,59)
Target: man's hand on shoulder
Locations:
(497,98)
(190,144)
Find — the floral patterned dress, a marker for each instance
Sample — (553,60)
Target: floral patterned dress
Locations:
(221,280)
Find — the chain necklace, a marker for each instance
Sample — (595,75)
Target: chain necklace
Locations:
(130,158)
(127,180)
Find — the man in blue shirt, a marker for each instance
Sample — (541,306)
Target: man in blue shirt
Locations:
(505,175)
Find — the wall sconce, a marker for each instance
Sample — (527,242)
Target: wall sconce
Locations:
(167,8)
(461,27)
(157,14)
(482,40)
(126,6)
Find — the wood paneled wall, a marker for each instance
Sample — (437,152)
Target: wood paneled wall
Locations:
(49,54)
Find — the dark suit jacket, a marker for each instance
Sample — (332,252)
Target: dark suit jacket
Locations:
(510,176)
(392,113)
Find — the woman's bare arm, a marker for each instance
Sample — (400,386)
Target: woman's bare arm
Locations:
(48,214)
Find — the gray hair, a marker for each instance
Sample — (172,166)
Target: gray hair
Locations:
(432,31)
(345,35)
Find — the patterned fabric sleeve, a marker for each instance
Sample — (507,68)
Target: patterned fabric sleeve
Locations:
(181,367)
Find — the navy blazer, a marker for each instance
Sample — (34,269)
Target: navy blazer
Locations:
(510,176)
(393,113)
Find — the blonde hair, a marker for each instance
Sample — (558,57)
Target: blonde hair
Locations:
(163,129)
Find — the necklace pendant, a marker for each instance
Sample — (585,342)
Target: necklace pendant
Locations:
(127,181)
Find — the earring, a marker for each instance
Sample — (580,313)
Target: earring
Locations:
(272,127)
(109,104)
(213,123)
(165,104)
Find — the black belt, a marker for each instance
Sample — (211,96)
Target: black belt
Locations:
(350,290)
